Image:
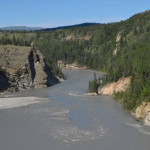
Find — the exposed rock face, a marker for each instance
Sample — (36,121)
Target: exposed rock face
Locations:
(115,52)
(73,66)
(118,38)
(37,65)
(143,112)
(119,86)
(26,68)
(117,43)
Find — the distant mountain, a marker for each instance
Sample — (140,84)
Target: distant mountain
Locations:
(71,26)
(20,28)
(24,28)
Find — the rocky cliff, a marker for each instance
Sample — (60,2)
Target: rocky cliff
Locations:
(143,113)
(119,86)
(25,68)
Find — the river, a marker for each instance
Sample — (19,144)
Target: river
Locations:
(71,120)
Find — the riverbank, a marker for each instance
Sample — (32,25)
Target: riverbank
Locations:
(73,66)
(141,112)
(13,102)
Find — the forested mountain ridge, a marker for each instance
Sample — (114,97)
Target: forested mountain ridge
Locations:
(20,28)
(121,49)
(70,26)
(25,28)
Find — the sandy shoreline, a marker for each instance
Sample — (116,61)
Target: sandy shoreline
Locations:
(12,102)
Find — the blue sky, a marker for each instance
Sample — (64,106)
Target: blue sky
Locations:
(53,13)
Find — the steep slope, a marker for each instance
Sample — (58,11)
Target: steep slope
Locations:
(120,49)
(71,26)
(120,86)
(25,68)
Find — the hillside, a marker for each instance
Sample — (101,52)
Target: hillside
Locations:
(71,26)
(121,49)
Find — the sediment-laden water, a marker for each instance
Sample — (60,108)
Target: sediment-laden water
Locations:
(71,120)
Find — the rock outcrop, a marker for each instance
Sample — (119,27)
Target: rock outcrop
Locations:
(119,86)
(73,66)
(118,38)
(26,68)
(143,113)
